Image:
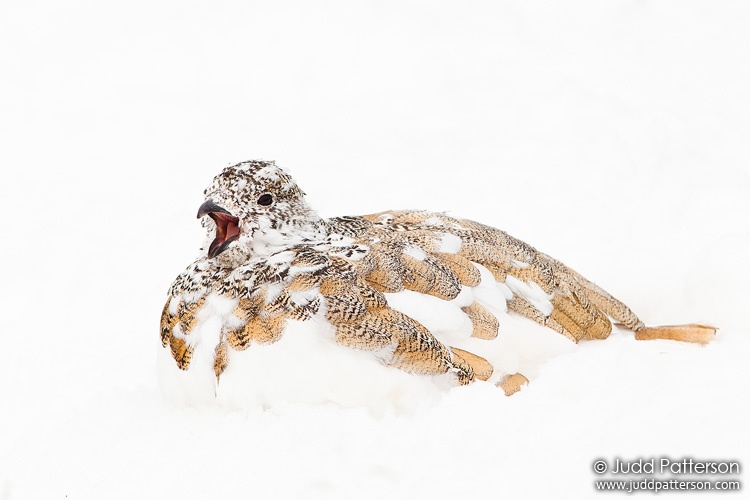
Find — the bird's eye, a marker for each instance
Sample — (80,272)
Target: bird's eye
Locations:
(265,199)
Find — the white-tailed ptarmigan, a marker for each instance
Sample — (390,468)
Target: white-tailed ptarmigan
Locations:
(283,305)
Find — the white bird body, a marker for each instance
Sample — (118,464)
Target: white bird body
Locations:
(384,310)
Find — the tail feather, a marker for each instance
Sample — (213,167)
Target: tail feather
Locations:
(699,334)
(610,305)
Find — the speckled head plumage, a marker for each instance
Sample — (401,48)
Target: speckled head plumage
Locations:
(255,207)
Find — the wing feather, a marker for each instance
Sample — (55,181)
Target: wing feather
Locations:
(545,290)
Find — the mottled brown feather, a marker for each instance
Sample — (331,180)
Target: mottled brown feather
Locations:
(418,351)
(417,275)
(344,307)
(467,273)
(372,332)
(411,217)
(481,367)
(608,304)
(181,353)
(221,358)
(262,329)
(511,384)
(305,281)
(479,251)
(167,323)
(538,272)
(186,312)
(447,285)
(310,258)
(700,334)
(485,324)
(385,281)
(371,297)
(303,312)
(572,329)
(583,316)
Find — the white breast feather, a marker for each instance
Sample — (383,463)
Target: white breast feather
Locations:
(437,315)
(531,292)
(488,293)
(449,243)
(415,253)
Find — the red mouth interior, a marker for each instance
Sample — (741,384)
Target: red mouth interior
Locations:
(227,230)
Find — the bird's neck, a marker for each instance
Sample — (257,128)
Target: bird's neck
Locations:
(270,238)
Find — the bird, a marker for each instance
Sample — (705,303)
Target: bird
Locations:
(283,305)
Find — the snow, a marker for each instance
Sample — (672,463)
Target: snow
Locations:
(610,135)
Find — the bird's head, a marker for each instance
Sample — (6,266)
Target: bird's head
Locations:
(256,208)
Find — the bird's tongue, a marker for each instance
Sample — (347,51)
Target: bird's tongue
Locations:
(227,231)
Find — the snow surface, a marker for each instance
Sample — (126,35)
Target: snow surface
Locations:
(610,135)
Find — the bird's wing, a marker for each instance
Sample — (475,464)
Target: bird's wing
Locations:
(438,255)
(346,283)
(305,283)
(187,299)
(359,314)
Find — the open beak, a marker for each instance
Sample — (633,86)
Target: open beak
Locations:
(227,227)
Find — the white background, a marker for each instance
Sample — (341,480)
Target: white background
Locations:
(611,135)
